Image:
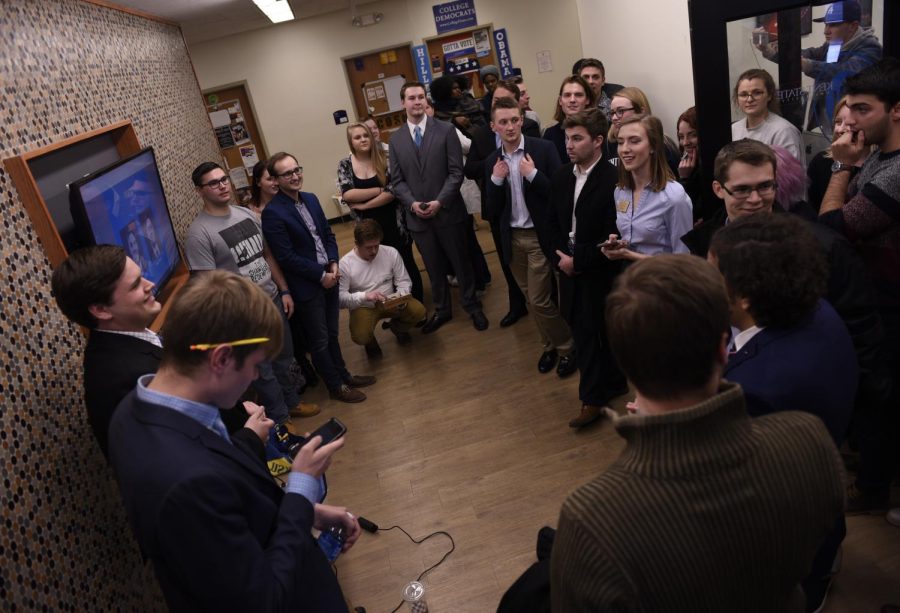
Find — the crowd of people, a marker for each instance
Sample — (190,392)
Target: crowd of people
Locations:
(754,315)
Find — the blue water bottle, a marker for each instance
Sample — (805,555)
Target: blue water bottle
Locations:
(331,541)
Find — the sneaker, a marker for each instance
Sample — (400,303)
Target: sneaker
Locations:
(305,409)
(893,517)
(345,393)
(373,349)
(860,502)
(361,380)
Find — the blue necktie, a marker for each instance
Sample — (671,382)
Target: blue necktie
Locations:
(418,136)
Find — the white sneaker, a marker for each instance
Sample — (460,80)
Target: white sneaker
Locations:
(893,517)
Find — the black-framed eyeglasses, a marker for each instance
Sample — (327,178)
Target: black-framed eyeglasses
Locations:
(217,182)
(742,192)
(290,173)
(621,111)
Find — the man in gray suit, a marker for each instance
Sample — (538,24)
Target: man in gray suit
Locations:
(426,172)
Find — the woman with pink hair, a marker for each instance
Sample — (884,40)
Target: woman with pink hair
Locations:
(790,175)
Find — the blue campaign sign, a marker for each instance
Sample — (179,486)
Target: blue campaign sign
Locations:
(504,59)
(423,69)
(452,16)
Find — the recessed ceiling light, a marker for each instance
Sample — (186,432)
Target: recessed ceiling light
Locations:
(276,10)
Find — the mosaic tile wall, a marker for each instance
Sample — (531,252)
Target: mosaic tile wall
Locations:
(67,67)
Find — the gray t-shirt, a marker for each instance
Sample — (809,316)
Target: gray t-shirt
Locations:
(233,242)
(775,130)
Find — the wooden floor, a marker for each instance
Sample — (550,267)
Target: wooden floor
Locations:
(462,434)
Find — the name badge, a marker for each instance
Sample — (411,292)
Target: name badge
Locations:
(622,205)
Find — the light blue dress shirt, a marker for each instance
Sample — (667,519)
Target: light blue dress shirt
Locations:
(656,223)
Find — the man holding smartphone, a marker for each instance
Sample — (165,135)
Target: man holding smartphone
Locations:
(221,534)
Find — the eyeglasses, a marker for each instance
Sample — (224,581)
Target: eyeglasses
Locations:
(217,182)
(244,341)
(290,173)
(756,93)
(620,112)
(742,192)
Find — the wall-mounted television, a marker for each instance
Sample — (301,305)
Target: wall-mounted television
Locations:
(124,204)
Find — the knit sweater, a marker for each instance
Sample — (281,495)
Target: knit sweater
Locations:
(706,509)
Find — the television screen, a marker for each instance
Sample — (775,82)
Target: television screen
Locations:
(124,204)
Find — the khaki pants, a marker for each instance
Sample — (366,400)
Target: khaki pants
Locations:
(533,274)
(363,320)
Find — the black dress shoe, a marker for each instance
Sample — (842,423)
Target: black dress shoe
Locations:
(480,321)
(547,361)
(567,365)
(434,323)
(512,317)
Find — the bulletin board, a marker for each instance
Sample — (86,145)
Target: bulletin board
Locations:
(375,72)
(383,95)
(467,49)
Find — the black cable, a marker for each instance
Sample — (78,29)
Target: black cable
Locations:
(419,542)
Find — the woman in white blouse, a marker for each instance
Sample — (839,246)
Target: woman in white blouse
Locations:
(653,211)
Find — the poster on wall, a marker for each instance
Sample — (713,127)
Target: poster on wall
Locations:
(451,16)
(423,69)
(227,119)
(249,156)
(504,59)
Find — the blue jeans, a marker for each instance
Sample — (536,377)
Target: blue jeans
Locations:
(274,385)
(319,316)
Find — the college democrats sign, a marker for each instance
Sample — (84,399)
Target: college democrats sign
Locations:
(452,16)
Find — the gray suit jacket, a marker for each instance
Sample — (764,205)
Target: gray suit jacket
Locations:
(433,173)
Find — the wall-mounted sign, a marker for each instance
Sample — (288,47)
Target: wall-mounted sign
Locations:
(452,16)
(423,69)
(504,59)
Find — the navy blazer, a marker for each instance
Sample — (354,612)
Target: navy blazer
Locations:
(221,534)
(293,245)
(498,198)
(810,367)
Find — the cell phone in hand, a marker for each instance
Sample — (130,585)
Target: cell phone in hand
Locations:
(329,431)
(423,205)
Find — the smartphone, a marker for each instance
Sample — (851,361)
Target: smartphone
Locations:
(760,38)
(423,205)
(329,431)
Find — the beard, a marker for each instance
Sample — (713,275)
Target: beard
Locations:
(878,132)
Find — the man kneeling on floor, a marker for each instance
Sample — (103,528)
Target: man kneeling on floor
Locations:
(374,285)
(221,534)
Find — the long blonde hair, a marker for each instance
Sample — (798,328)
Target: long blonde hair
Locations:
(379,160)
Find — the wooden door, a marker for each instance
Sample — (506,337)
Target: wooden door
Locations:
(373,77)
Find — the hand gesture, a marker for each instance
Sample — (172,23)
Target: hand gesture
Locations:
(501,169)
(288,303)
(849,148)
(566,263)
(526,165)
(688,163)
(258,422)
(326,516)
(329,280)
(314,460)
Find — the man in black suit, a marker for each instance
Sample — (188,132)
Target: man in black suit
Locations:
(484,142)
(220,532)
(102,289)
(517,180)
(426,173)
(585,217)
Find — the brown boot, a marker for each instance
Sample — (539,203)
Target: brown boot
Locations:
(589,414)
(305,409)
(345,393)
